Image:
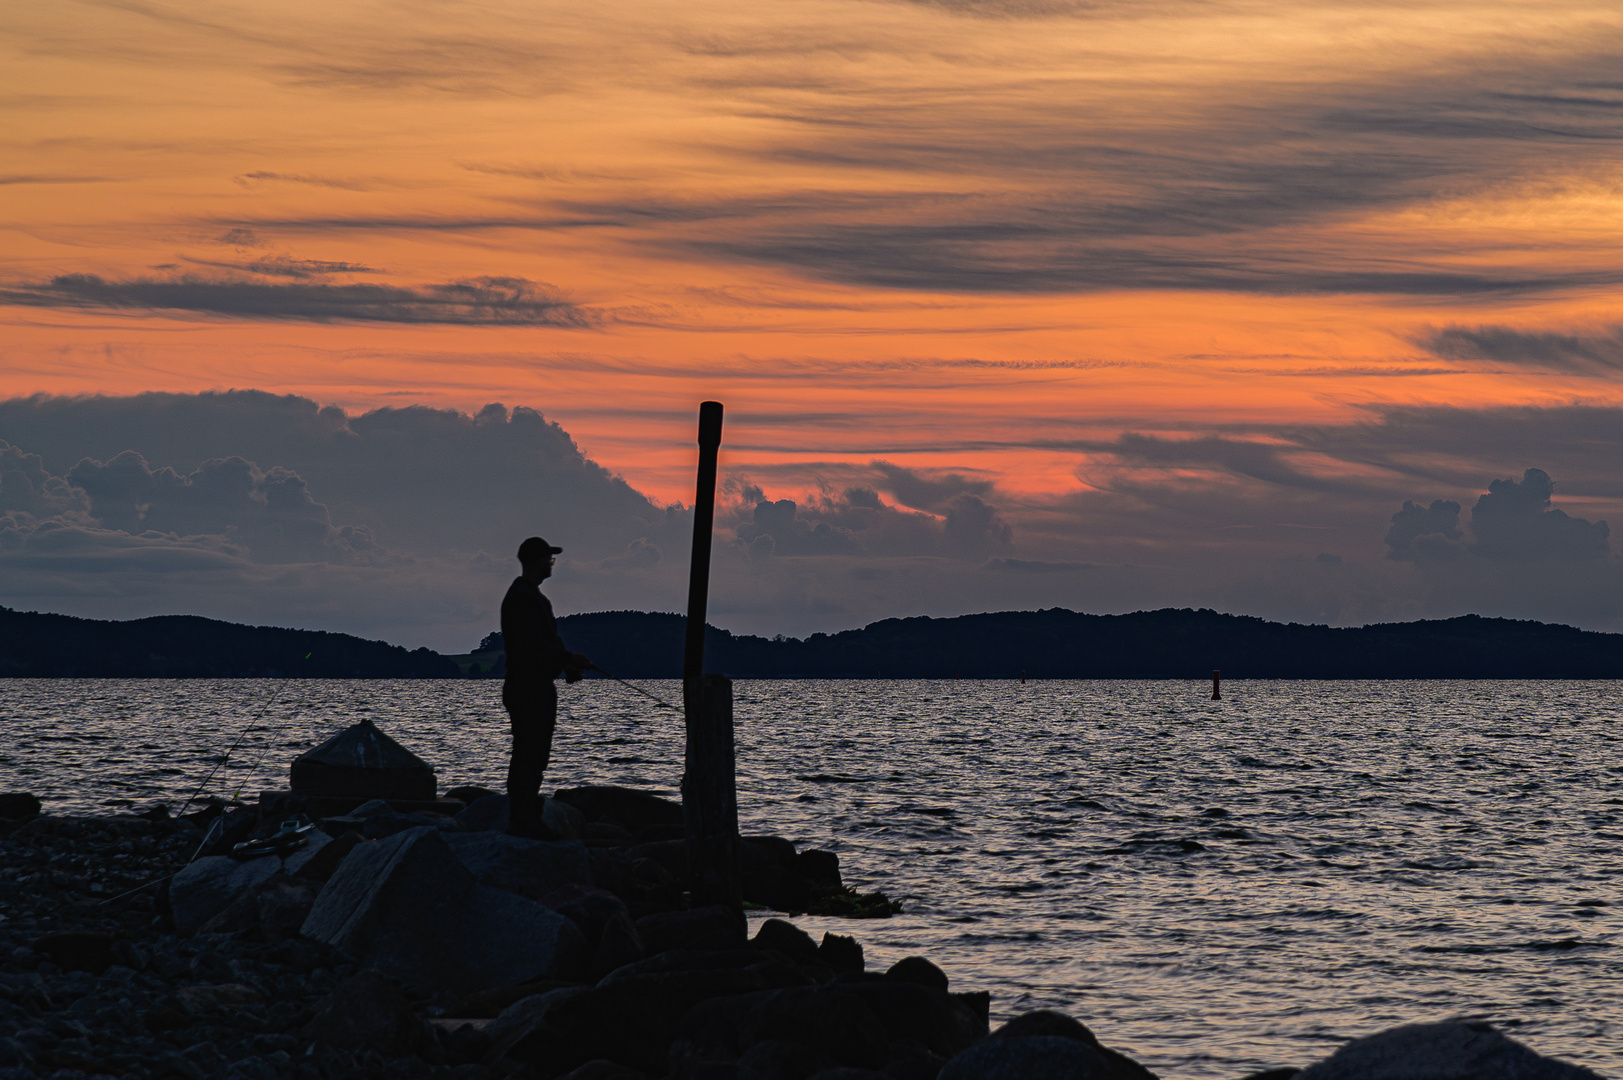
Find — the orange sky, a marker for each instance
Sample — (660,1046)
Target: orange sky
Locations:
(990,236)
(644,160)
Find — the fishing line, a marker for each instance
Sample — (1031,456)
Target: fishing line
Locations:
(208,834)
(632,686)
(250,726)
(267,747)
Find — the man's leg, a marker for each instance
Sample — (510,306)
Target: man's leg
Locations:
(533,711)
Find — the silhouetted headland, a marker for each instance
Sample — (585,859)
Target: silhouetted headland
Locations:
(1051,644)
(189,647)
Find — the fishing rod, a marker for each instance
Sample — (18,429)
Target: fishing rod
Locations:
(208,834)
(632,686)
(246,729)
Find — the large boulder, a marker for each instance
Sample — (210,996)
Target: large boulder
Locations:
(490,813)
(531,868)
(1033,1057)
(714,927)
(643,884)
(274,909)
(606,922)
(1047,1022)
(19,806)
(926,1015)
(773,968)
(1446,1051)
(835,1025)
(207,887)
(628,808)
(630,1020)
(363,762)
(409,907)
(368,1012)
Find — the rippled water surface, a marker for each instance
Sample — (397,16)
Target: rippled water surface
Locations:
(1214,887)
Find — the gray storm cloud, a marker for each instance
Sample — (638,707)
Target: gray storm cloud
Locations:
(1513,521)
(270,513)
(400,523)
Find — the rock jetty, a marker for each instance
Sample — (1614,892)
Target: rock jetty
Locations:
(433,946)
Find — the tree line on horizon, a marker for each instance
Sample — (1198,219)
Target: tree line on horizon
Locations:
(1047,644)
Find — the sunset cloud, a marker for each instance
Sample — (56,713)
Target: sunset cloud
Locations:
(486,301)
(1010,302)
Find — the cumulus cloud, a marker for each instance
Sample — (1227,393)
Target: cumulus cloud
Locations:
(399,523)
(1420,533)
(235,505)
(1513,521)
(483,301)
(27,487)
(856,521)
(425,480)
(269,513)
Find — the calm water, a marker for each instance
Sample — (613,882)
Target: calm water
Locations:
(1214,887)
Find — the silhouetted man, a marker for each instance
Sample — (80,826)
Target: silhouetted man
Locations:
(535,657)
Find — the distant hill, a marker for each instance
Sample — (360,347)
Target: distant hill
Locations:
(1060,644)
(1050,644)
(189,647)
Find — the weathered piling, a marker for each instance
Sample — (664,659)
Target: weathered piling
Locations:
(709,789)
(710,795)
(1217,685)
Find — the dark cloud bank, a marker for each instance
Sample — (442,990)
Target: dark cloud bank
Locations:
(399,523)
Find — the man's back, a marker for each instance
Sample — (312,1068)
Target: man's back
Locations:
(535,652)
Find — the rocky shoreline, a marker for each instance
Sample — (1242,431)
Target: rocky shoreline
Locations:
(427,946)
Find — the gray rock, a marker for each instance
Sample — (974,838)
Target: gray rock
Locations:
(1049,1023)
(368,1012)
(202,999)
(362,761)
(714,927)
(530,868)
(487,813)
(207,887)
(601,1069)
(314,841)
(916,969)
(774,1059)
(1447,1051)
(524,1016)
(276,908)
(788,939)
(563,819)
(407,906)
(1038,1057)
(626,807)
(835,1025)
(926,1015)
(631,1020)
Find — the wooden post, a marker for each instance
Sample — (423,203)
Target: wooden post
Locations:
(710,795)
(704,521)
(1217,685)
(709,787)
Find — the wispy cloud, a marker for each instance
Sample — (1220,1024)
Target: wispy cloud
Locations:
(9,181)
(1598,353)
(485,301)
(286,266)
(249,179)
